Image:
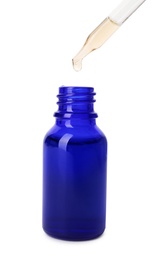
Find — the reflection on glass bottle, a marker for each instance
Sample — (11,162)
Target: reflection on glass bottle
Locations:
(74,169)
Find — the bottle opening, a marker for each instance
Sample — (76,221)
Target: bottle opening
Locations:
(76,100)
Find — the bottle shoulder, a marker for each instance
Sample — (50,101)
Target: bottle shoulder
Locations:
(80,134)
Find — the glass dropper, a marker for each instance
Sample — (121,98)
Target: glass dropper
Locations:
(101,33)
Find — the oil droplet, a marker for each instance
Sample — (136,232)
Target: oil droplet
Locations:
(77,64)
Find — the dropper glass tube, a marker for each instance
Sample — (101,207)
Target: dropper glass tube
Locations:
(103,32)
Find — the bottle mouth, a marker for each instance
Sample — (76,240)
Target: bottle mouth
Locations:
(75,100)
(71,94)
(75,89)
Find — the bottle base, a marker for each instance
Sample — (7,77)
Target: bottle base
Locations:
(74,236)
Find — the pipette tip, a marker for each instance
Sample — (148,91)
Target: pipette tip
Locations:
(77,64)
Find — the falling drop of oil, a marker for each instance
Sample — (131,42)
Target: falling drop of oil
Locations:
(77,64)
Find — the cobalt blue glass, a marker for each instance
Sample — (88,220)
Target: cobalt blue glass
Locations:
(74,169)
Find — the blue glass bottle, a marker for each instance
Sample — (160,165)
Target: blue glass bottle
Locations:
(74,169)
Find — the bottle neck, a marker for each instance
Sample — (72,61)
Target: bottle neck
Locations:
(75,122)
(76,105)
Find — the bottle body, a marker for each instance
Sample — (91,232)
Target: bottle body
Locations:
(74,179)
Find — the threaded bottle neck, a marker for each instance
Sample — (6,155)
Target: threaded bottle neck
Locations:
(75,102)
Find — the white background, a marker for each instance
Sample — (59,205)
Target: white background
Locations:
(38,39)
